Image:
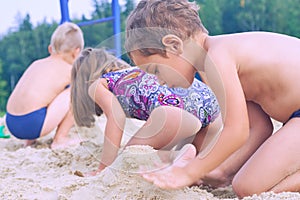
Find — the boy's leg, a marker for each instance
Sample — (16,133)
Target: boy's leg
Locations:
(260,129)
(61,138)
(274,166)
(165,127)
(59,115)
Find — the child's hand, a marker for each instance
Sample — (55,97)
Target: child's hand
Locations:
(174,176)
(170,178)
(92,173)
(95,172)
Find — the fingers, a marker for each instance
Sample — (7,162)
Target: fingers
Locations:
(185,155)
(149,177)
(92,173)
(159,179)
(173,176)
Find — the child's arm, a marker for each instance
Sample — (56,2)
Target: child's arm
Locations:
(115,120)
(222,75)
(224,81)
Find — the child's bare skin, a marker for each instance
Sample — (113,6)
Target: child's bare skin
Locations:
(44,86)
(103,84)
(253,76)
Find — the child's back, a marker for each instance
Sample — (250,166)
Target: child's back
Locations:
(40,84)
(266,75)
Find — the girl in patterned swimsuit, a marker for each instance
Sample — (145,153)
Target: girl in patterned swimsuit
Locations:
(101,83)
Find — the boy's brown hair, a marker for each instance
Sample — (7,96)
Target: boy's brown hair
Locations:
(66,37)
(151,20)
(87,68)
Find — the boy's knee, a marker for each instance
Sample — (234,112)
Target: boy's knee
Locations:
(241,187)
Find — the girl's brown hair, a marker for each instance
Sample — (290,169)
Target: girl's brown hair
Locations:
(88,67)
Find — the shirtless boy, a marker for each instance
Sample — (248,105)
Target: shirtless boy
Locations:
(40,102)
(253,76)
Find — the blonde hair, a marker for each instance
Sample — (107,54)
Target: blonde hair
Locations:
(151,20)
(66,37)
(87,68)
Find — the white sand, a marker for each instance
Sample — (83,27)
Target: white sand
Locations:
(41,173)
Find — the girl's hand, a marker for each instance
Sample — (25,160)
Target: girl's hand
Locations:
(92,173)
(95,172)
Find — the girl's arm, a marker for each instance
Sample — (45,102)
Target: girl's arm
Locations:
(116,117)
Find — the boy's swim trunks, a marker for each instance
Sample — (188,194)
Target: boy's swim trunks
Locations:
(26,126)
(295,114)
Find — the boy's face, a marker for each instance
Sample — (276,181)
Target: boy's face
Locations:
(170,70)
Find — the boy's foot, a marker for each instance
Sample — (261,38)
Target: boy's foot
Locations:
(65,143)
(29,143)
(216,179)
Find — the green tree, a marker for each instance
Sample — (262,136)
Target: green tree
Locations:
(129,6)
(211,14)
(25,43)
(3,91)
(19,49)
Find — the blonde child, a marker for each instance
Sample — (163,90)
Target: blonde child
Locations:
(103,84)
(253,76)
(40,102)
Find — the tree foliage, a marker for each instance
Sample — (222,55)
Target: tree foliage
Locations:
(26,43)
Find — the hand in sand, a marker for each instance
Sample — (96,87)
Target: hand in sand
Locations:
(95,172)
(174,176)
(92,173)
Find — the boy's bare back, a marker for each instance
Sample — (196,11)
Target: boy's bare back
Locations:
(260,59)
(47,77)
(40,84)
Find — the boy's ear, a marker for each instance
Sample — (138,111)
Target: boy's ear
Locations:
(173,43)
(50,49)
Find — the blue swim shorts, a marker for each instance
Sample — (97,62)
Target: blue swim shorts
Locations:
(28,126)
(295,114)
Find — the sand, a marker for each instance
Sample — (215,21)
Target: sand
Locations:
(38,172)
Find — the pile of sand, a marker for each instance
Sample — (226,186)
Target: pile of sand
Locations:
(41,173)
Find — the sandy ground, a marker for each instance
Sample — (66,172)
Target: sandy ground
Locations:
(41,173)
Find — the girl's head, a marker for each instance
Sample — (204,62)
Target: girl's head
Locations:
(87,68)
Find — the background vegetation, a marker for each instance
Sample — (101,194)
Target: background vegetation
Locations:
(25,43)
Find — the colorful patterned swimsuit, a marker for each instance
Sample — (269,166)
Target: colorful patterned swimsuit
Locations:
(139,93)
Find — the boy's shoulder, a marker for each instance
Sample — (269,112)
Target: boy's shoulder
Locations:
(50,62)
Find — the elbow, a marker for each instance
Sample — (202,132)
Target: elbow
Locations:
(123,118)
(117,118)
